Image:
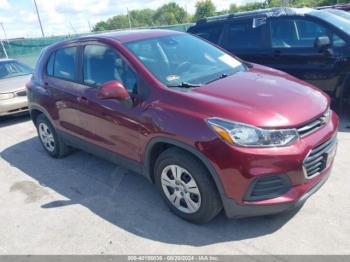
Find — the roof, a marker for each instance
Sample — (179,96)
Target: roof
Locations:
(269,12)
(133,35)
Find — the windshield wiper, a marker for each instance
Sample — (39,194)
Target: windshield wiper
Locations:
(185,85)
(218,78)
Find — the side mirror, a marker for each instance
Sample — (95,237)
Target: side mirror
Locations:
(113,90)
(322,42)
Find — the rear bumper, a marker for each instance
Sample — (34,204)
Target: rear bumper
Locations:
(13,106)
(235,210)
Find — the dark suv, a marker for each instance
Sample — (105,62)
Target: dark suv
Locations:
(313,45)
(209,130)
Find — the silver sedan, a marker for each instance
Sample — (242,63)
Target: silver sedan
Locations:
(13,77)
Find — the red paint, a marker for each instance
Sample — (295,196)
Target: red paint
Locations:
(113,89)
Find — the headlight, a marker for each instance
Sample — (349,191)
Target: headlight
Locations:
(7,96)
(249,136)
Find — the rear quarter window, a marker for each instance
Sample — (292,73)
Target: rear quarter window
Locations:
(211,33)
(49,65)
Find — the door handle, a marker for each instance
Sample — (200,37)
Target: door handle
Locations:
(82,100)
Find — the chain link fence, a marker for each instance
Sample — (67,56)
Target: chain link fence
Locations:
(27,50)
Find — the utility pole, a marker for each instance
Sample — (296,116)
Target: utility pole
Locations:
(37,12)
(127,10)
(3,29)
(90,28)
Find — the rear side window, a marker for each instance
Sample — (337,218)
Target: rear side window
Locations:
(244,35)
(50,63)
(210,33)
(64,63)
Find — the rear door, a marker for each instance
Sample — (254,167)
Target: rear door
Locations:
(61,81)
(293,51)
(247,38)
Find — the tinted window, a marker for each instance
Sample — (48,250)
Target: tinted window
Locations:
(210,33)
(243,35)
(50,63)
(180,58)
(103,64)
(299,33)
(64,66)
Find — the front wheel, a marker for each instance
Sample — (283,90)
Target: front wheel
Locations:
(186,186)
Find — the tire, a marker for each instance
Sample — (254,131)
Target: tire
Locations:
(191,194)
(53,145)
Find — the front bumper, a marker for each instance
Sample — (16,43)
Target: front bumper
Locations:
(234,210)
(242,166)
(13,106)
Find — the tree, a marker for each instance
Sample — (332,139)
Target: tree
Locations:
(204,8)
(142,17)
(170,13)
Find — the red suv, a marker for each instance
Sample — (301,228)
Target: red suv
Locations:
(208,129)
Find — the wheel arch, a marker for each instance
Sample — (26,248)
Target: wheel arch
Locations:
(158,144)
(35,111)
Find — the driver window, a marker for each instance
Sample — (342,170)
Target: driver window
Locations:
(295,33)
(102,64)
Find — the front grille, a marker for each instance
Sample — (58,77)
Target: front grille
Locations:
(268,187)
(316,160)
(21,93)
(314,125)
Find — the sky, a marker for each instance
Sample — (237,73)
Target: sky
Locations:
(60,17)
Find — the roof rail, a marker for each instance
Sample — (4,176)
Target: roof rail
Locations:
(275,11)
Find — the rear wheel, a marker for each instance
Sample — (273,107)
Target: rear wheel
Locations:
(49,139)
(186,186)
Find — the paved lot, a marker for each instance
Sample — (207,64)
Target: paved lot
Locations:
(85,205)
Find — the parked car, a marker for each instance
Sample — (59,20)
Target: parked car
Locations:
(13,95)
(208,130)
(313,45)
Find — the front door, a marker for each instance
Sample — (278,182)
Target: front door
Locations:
(293,51)
(110,124)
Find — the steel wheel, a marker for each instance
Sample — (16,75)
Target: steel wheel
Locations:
(181,189)
(46,137)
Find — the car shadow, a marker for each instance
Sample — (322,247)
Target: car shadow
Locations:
(344,125)
(14,119)
(127,200)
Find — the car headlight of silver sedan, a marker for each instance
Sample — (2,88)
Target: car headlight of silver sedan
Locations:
(244,135)
(6,96)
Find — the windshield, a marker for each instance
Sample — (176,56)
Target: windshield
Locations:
(340,21)
(340,13)
(13,68)
(184,60)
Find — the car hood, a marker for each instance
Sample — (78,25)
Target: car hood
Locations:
(263,97)
(13,84)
